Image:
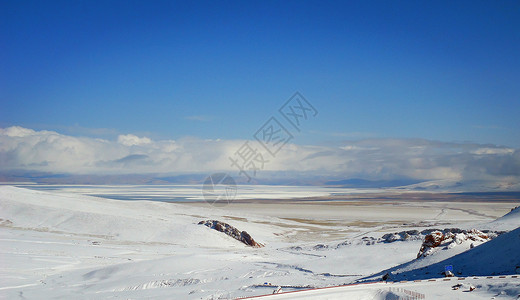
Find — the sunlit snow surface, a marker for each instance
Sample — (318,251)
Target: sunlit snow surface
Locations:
(60,244)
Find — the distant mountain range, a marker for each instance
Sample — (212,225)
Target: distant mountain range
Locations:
(363,183)
(286,179)
(275,178)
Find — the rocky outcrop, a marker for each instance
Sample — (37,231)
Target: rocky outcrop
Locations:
(451,238)
(407,235)
(233,232)
(435,240)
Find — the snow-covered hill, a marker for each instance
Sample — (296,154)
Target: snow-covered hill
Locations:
(508,222)
(59,245)
(124,221)
(457,186)
(500,256)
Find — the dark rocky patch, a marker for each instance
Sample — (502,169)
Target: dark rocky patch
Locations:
(233,232)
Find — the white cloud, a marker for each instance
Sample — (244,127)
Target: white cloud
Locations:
(487,151)
(16,131)
(49,151)
(133,140)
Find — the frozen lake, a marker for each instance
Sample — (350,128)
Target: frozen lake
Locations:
(193,193)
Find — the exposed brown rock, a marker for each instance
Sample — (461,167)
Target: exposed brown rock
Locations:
(233,232)
(450,238)
(433,239)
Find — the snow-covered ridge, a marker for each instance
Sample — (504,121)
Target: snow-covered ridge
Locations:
(126,221)
(500,256)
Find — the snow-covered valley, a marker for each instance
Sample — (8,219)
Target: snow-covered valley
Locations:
(66,245)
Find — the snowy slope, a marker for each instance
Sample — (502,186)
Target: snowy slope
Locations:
(497,257)
(58,245)
(131,221)
(485,288)
(500,256)
(507,222)
(53,245)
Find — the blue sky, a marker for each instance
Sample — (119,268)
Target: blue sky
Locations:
(436,70)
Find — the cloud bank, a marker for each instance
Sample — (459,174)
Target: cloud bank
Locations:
(48,151)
